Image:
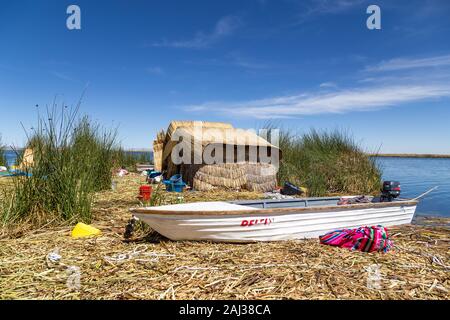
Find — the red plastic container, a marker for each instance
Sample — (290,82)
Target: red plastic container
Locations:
(145,193)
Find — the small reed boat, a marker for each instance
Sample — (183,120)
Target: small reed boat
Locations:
(272,220)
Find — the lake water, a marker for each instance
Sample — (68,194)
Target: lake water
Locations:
(10,157)
(416,176)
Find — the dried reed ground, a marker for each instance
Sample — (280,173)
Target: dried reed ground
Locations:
(417,268)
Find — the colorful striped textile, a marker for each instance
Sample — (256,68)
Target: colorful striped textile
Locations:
(366,239)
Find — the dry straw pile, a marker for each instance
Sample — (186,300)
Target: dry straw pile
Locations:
(259,177)
(209,177)
(149,267)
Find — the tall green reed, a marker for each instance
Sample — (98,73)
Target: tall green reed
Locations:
(2,153)
(327,163)
(72,158)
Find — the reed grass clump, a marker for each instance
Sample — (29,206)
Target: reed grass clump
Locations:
(72,158)
(327,163)
(2,153)
(95,148)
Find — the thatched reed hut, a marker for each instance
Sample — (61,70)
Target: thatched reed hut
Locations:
(213,155)
(27,159)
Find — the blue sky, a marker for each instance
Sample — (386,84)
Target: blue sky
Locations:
(303,64)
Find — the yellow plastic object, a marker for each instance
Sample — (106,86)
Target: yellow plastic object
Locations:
(82,230)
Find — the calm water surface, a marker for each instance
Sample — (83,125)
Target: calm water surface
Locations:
(416,175)
(10,157)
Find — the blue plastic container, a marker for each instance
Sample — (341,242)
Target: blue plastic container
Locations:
(175,184)
(176,178)
(153,174)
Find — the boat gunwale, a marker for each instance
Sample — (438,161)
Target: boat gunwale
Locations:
(277,211)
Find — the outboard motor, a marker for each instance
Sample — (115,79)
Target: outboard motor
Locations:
(390,191)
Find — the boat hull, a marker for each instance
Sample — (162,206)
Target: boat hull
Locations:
(274,225)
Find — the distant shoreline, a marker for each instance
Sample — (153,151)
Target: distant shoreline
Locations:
(381,155)
(412,155)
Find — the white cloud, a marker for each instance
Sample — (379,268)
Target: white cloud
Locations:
(362,99)
(155,70)
(328,85)
(368,93)
(62,76)
(310,9)
(224,27)
(405,63)
(232,59)
(238,60)
(336,6)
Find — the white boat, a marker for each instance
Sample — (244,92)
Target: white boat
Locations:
(270,220)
